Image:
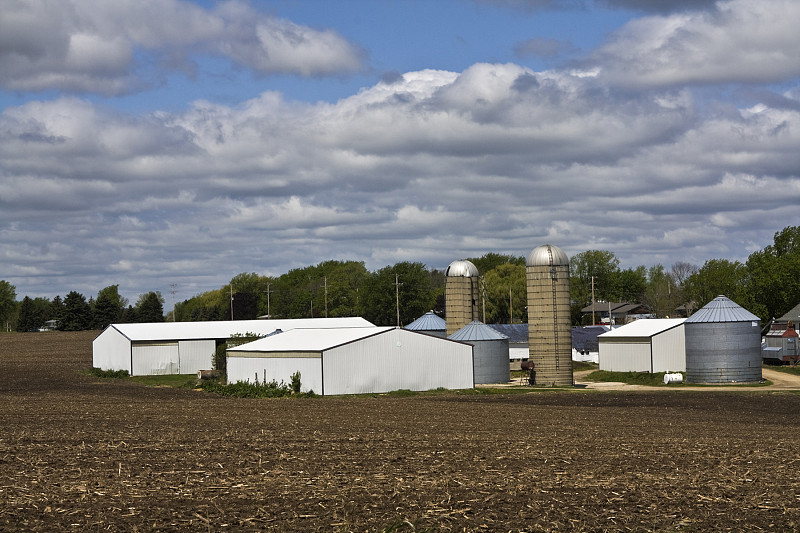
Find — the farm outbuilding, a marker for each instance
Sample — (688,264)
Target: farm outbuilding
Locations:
(186,347)
(354,360)
(647,345)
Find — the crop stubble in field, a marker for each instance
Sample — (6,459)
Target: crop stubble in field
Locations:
(89,454)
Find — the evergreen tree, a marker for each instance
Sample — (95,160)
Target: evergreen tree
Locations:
(77,314)
(150,307)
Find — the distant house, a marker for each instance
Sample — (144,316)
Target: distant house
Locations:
(779,342)
(49,325)
(620,312)
(585,346)
(517,340)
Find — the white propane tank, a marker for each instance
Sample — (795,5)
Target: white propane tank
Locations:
(675,377)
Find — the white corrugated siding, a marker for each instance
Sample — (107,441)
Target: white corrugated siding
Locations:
(111,351)
(397,359)
(155,358)
(195,355)
(624,355)
(669,351)
(244,366)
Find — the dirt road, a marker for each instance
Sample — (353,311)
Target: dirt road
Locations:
(780,381)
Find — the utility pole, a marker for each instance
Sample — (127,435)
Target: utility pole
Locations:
(397,296)
(510,304)
(172,287)
(269,315)
(593,322)
(231,302)
(483,298)
(325,280)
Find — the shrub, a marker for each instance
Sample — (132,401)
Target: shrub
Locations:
(100,373)
(296,382)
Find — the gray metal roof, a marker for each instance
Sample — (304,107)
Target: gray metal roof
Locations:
(722,309)
(477,331)
(514,332)
(430,321)
(793,314)
(547,255)
(461,268)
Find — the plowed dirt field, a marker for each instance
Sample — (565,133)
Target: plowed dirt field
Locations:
(86,454)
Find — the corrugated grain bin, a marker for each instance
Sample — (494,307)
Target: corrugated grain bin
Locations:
(429,323)
(490,353)
(723,344)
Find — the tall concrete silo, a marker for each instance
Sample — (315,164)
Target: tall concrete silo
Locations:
(723,344)
(549,323)
(461,295)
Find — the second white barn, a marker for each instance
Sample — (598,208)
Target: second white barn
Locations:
(354,360)
(647,345)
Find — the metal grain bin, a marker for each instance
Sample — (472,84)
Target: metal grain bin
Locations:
(490,352)
(723,344)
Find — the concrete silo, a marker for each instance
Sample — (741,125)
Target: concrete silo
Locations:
(549,323)
(461,295)
(723,344)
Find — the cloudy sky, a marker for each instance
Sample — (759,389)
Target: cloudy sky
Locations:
(155,142)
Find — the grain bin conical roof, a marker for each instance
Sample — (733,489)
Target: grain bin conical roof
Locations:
(722,309)
(477,331)
(428,322)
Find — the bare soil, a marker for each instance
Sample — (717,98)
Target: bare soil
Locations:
(86,454)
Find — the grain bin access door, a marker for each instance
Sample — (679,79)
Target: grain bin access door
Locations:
(150,359)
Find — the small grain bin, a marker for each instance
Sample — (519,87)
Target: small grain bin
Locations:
(429,323)
(723,344)
(490,352)
(461,295)
(549,320)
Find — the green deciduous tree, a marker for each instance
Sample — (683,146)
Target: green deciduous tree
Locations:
(773,275)
(506,294)
(411,281)
(716,277)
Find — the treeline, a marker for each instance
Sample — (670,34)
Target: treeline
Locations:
(767,284)
(74,312)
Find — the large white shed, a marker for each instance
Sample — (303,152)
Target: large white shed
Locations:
(646,345)
(355,360)
(186,347)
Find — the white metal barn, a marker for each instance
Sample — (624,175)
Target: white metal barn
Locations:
(355,360)
(186,347)
(646,345)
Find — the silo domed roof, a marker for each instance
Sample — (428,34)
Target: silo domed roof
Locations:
(461,268)
(722,309)
(547,255)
